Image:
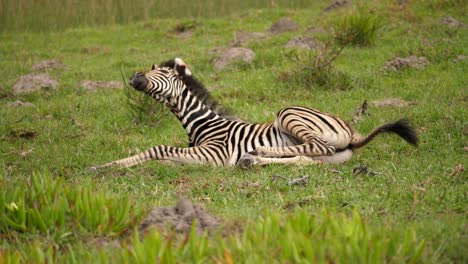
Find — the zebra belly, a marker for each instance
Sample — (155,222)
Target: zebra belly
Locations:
(338,158)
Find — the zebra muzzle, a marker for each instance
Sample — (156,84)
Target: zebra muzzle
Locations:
(139,81)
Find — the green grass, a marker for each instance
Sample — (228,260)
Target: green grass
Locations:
(414,210)
(53,15)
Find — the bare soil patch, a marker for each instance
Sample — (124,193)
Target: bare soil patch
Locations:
(93,85)
(48,65)
(33,82)
(337,4)
(399,63)
(19,103)
(96,50)
(23,133)
(451,22)
(243,37)
(283,25)
(233,55)
(304,43)
(184,34)
(180,218)
(391,102)
(461,58)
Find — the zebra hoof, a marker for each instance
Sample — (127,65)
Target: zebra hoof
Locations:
(246,162)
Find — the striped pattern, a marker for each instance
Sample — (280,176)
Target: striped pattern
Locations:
(298,135)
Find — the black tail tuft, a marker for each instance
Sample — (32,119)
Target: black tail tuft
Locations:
(403,129)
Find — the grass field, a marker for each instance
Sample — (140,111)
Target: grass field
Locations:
(413,210)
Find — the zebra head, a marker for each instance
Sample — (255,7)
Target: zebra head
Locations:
(162,83)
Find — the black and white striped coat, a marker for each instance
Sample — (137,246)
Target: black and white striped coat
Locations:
(298,135)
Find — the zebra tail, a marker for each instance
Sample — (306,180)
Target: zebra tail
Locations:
(401,127)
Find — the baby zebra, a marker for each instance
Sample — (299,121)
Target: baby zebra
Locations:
(299,135)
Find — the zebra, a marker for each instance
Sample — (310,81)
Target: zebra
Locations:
(298,135)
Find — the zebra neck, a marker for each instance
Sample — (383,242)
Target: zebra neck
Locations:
(192,113)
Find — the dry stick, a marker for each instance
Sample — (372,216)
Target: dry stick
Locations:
(296,59)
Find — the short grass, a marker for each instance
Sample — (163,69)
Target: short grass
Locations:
(413,210)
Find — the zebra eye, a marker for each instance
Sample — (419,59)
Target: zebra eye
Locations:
(155,66)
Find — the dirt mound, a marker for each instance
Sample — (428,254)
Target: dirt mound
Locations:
(391,102)
(283,25)
(335,5)
(47,65)
(33,82)
(233,55)
(179,218)
(19,103)
(93,85)
(243,37)
(398,63)
(451,22)
(304,43)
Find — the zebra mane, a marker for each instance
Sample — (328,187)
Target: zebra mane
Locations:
(200,91)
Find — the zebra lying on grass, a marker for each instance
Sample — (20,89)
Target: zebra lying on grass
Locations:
(299,135)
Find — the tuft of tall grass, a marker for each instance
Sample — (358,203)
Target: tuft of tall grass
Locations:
(315,68)
(143,108)
(359,29)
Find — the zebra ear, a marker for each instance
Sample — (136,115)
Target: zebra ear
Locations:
(181,68)
(155,66)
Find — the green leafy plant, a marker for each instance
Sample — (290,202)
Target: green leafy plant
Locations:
(46,204)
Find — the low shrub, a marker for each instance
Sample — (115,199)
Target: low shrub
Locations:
(315,68)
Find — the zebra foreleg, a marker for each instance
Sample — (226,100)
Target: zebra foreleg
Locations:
(193,155)
(247,160)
